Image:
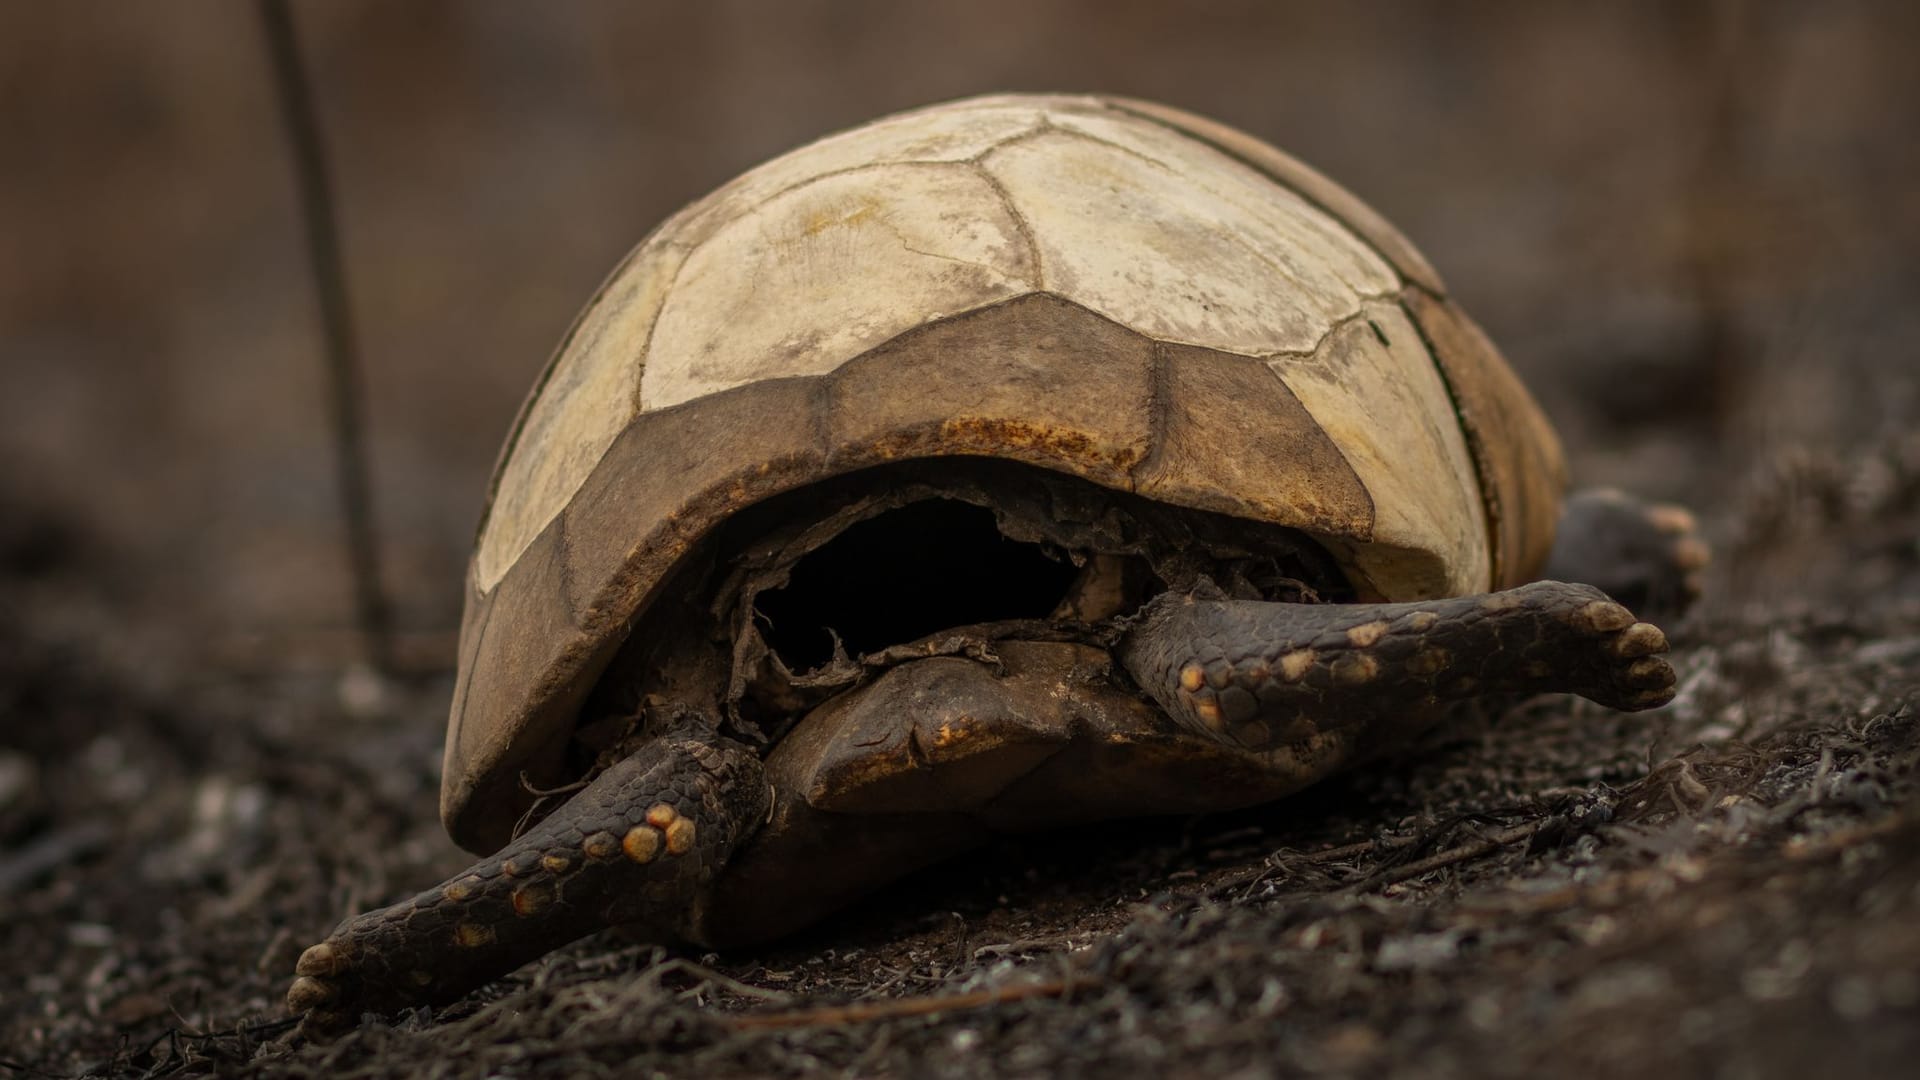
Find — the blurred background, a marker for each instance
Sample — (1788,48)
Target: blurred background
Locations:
(1692,227)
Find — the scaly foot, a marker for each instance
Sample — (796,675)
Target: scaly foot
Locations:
(639,844)
(1648,556)
(1257,675)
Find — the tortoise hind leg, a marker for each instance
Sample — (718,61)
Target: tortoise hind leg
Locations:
(641,844)
(1256,674)
(1648,556)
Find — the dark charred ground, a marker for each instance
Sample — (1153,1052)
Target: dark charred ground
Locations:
(1729,886)
(1694,235)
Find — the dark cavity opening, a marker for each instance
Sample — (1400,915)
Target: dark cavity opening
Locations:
(903,575)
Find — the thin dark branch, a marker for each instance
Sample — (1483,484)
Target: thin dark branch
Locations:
(1720,44)
(1473,849)
(344,378)
(864,1012)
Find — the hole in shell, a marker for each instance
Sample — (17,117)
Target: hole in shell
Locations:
(901,575)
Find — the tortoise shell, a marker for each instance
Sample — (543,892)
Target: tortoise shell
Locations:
(1107,288)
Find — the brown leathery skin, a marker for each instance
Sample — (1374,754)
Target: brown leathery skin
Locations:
(641,844)
(938,755)
(1252,673)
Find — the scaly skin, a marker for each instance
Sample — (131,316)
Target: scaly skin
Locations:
(1256,675)
(641,844)
(1648,556)
(644,842)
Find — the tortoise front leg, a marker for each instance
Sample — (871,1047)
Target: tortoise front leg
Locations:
(1257,675)
(641,844)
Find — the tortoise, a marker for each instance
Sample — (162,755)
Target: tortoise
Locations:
(1011,463)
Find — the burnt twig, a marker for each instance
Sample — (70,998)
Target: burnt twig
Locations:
(1482,846)
(927,1005)
(344,379)
(49,853)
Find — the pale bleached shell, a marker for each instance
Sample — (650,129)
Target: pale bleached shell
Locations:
(819,256)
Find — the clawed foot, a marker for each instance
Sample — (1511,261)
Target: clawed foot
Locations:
(1648,556)
(1621,667)
(1257,675)
(638,845)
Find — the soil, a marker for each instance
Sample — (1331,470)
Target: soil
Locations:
(197,780)
(1728,886)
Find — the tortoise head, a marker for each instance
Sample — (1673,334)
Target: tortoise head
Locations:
(1096,288)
